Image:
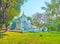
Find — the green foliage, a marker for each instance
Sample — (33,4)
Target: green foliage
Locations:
(10,8)
(52,9)
(58,19)
(35,22)
(52,27)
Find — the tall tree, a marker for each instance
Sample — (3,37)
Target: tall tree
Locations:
(39,20)
(52,9)
(9,9)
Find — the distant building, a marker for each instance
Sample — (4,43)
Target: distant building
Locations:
(22,23)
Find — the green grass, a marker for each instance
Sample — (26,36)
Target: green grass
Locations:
(30,38)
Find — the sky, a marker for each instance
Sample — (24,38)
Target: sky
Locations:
(32,6)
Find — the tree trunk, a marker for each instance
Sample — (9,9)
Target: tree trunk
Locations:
(6,28)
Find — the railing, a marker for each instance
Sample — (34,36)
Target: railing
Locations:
(3,29)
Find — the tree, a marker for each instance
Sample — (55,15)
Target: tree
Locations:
(9,9)
(38,19)
(52,9)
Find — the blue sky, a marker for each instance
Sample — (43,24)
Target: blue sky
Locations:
(33,6)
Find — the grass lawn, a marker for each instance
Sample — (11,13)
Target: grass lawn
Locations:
(30,38)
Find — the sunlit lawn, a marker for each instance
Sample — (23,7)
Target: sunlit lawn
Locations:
(30,38)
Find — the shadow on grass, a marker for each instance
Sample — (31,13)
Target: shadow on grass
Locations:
(17,31)
(2,35)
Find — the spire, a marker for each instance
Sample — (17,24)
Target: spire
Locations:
(23,14)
